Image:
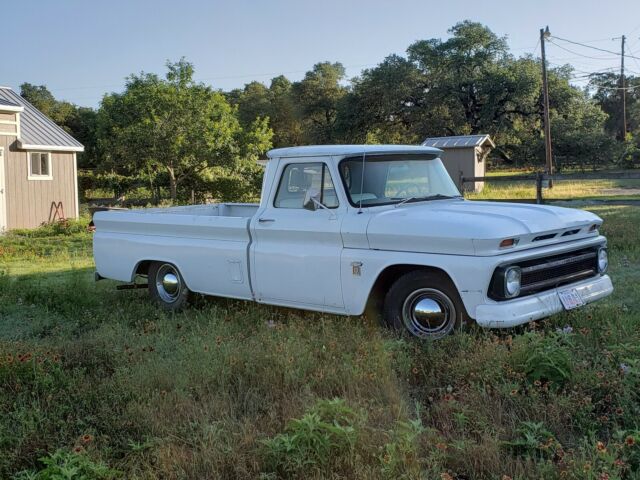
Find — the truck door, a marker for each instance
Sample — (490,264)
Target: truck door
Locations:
(296,250)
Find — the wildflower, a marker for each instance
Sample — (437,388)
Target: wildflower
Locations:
(629,441)
(600,374)
(586,467)
(372,376)
(514,392)
(86,438)
(445,476)
(448,397)
(441,446)
(603,476)
(619,411)
(271,324)
(78,449)
(624,368)
(619,463)
(218,339)
(600,447)
(537,383)
(604,419)
(415,370)
(566,330)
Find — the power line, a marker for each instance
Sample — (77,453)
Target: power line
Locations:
(581,54)
(586,46)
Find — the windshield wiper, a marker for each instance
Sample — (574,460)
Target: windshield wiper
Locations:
(438,196)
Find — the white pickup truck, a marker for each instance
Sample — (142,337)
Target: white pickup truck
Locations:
(344,229)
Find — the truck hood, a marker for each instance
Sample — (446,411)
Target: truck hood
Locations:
(475,228)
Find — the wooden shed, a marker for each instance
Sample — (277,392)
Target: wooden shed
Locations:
(38,169)
(464,155)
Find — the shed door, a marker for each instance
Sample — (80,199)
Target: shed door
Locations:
(3,196)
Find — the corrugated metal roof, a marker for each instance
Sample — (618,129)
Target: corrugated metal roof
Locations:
(6,103)
(38,130)
(460,141)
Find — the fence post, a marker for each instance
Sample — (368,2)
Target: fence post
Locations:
(461,182)
(539,187)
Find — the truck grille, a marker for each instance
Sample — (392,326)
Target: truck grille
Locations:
(550,272)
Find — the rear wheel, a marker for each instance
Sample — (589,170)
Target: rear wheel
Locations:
(424,304)
(167,287)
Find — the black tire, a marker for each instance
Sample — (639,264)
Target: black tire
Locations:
(424,304)
(171,293)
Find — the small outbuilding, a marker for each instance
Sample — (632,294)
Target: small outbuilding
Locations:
(38,167)
(464,156)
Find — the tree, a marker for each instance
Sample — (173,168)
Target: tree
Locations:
(318,95)
(176,126)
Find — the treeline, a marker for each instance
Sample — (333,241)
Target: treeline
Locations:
(179,138)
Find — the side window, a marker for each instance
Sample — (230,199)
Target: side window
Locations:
(39,166)
(298,178)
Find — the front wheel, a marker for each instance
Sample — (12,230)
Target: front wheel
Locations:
(167,287)
(424,304)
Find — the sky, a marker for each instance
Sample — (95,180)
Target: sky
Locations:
(82,49)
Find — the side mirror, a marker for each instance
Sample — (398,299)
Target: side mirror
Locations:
(311,200)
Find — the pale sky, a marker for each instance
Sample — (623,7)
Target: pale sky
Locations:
(81,49)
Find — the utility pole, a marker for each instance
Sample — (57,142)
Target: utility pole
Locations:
(624,93)
(544,34)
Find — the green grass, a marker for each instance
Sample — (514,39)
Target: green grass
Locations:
(562,190)
(101,383)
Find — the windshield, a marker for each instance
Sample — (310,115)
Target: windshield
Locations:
(390,179)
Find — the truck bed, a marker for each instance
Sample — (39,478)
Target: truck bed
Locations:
(208,243)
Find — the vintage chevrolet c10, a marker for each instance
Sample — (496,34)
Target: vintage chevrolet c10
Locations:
(349,228)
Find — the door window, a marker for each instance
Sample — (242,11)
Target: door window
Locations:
(298,178)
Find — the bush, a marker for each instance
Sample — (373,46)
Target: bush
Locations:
(542,358)
(326,434)
(63,465)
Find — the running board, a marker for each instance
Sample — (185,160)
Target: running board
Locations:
(132,286)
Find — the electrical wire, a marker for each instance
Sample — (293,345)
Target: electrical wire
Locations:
(587,46)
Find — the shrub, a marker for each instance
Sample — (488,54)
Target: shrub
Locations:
(325,434)
(534,440)
(542,358)
(64,465)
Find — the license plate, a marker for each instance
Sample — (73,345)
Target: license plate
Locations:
(570,298)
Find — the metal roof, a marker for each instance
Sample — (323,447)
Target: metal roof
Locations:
(7,105)
(344,150)
(460,141)
(37,131)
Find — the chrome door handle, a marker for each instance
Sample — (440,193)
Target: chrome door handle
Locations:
(265,220)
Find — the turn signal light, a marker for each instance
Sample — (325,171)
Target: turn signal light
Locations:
(508,242)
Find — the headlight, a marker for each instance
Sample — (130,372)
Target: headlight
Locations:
(512,277)
(603,260)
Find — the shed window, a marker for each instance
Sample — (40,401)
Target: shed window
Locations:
(39,165)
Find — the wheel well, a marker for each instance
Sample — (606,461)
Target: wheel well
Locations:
(385,279)
(142,268)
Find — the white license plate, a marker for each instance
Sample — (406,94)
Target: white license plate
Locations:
(570,298)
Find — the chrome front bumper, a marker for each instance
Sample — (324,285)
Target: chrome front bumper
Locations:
(527,309)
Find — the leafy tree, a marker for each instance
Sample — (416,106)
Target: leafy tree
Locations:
(319,94)
(175,126)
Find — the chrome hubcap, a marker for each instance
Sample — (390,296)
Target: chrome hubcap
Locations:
(168,283)
(428,313)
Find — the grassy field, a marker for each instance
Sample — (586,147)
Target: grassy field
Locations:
(97,383)
(623,189)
